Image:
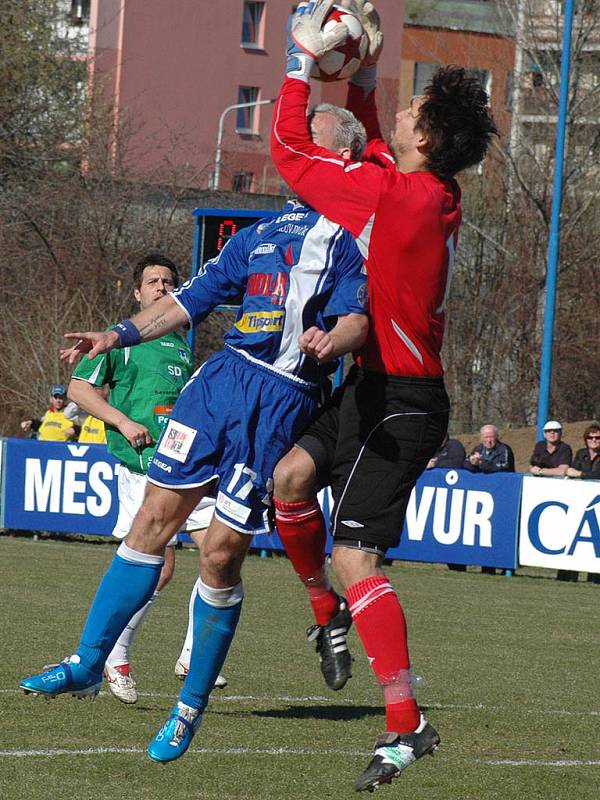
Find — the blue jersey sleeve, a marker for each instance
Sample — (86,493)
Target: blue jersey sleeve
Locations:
(349,295)
(220,280)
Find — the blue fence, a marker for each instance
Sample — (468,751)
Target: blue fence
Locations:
(51,486)
(453,516)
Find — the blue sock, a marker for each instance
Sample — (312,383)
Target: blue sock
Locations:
(127,585)
(216,615)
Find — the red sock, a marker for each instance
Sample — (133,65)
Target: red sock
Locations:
(301,528)
(381,625)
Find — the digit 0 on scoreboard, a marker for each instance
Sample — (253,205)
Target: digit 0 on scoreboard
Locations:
(227,229)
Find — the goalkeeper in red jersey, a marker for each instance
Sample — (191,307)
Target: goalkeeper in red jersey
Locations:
(371,443)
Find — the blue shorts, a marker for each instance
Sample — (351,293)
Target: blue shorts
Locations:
(233,421)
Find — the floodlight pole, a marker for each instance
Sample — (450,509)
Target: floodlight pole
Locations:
(554,237)
(217,170)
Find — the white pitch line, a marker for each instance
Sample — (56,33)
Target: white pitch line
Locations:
(92,751)
(539,763)
(227,751)
(554,712)
(277,751)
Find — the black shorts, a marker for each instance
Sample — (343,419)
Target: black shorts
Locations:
(370,443)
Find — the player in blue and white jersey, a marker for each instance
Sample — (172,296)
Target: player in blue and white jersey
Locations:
(304,303)
(295,271)
(299,272)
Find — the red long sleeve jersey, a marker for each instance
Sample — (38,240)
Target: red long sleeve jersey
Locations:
(405,224)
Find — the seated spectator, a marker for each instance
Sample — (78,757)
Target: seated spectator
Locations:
(53,426)
(586,464)
(451,455)
(551,456)
(490,455)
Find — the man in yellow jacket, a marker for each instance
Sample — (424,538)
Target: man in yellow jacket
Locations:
(53,426)
(92,431)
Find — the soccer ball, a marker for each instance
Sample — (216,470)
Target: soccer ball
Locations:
(343,61)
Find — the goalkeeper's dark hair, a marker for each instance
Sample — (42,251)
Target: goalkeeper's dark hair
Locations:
(154,260)
(349,132)
(457,121)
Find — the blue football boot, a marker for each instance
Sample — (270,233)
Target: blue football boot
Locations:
(176,735)
(68,677)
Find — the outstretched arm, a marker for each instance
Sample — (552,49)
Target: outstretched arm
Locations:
(160,318)
(348,334)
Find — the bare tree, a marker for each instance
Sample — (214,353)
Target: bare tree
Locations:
(73,217)
(496,307)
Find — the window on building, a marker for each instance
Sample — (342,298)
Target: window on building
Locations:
(590,72)
(252,24)
(535,76)
(423,74)
(509,94)
(484,77)
(247,118)
(545,70)
(242,181)
(80,12)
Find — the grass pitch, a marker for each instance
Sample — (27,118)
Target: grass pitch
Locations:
(510,670)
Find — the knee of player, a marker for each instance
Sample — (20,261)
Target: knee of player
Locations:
(218,561)
(294,477)
(150,525)
(351,564)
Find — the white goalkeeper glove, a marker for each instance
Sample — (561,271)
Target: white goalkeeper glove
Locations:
(366,76)
(369,18)
(307,42)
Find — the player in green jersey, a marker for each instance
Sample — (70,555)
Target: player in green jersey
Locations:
(144,383)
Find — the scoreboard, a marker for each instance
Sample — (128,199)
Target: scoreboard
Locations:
(215,226)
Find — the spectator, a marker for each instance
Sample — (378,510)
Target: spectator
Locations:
(586,466)
(53,426)
(490,455)
(451,455)
(92,431)
(551,456)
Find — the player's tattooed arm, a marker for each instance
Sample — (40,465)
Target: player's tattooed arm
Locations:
(158,319)
(155,324)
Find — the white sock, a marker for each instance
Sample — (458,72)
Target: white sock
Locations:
(186,650)
(119,655)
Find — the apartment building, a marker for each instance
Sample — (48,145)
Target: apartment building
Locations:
(172,72)
(173,69)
